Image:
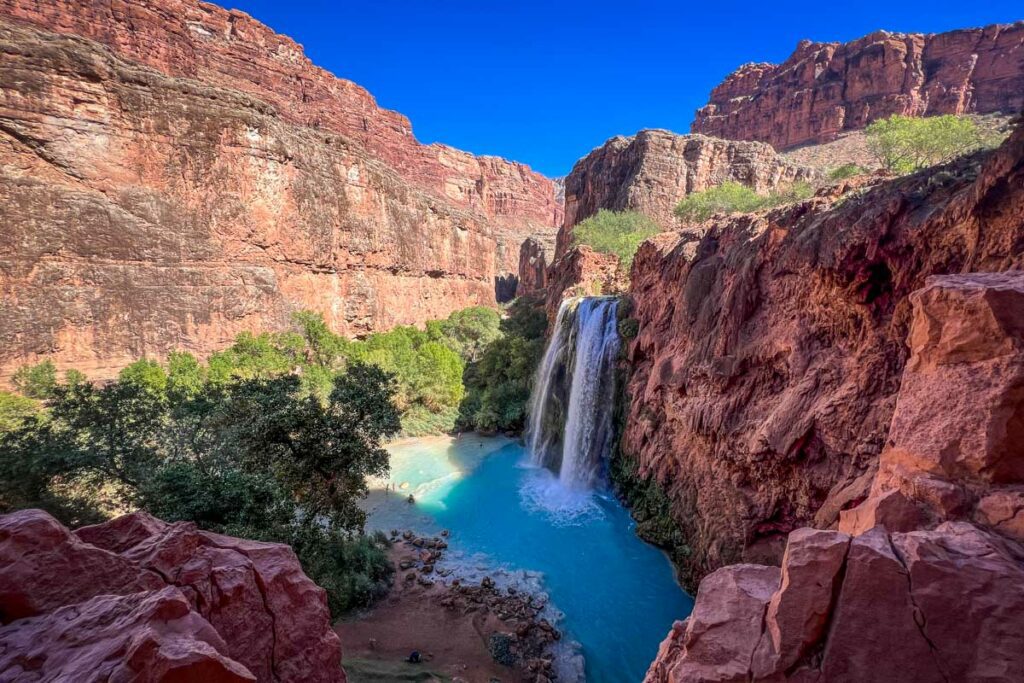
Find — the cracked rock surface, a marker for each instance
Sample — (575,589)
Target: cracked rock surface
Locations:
(139,599)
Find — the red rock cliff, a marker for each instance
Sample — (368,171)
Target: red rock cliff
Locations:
(770,350)
(922,581)
(824,89)
(136,599)
(182,174)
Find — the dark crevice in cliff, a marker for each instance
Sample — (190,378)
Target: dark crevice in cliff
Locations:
(918,616)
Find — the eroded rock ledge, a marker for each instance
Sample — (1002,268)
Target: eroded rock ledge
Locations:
(139,599)
(922,580)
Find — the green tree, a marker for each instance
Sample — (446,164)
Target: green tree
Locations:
(615,232)
(186,376)
(15,410)
(323,347)
(904,144)
(259,458)
(145,373)
(36,381)
(498,384)
(468,331)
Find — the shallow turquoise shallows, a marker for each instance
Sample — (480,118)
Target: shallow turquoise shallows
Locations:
(617,594)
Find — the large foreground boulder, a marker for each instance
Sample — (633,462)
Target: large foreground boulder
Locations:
(139,599)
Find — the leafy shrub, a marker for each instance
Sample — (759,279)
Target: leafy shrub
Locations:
(732,197)
(846,171)
(467,332)
(36,381)
(628,328)
(15,410)
(904,144)
(498,384)
(615,232)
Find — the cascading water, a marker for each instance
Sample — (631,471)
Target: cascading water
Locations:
(570,429)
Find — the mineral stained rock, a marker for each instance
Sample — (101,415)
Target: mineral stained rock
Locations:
(139,599)
(772,346)
(172,173)
(824,89)
(941,602)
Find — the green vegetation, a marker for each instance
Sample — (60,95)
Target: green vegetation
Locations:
(36,381)
(254,457)
(15,410)
(904,144)
(733,197)
(272,438)
(498,383)
(615,232)
(846,171)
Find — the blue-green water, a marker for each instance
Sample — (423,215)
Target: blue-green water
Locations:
(617,594)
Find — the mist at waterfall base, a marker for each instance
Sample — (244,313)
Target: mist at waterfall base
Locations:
(543,517)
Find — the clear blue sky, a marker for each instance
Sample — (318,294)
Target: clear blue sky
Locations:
(546,82)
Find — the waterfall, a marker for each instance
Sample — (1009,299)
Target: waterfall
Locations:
(544,440)
(570,426)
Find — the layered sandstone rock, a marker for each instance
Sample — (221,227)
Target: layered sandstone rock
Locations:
(651,171)
(190,175)
(139,599)
(924,597)
(823,89)
(229,49)
(771,348)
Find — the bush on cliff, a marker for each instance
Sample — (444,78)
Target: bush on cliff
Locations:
(732,197)
(615,232)
(498,384)
(846,171)
(904,144)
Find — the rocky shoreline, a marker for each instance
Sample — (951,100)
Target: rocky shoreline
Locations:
(506,632)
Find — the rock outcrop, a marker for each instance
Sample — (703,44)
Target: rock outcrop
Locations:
(823,89)
(917,593)
(771,348)
(651,171)
(139,599)
(533,267)
(172,173)
(582,272)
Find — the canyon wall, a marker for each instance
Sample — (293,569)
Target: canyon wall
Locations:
(823,89)
(182,174)
(921,582)
(771,346)
(137,599)
(652,170)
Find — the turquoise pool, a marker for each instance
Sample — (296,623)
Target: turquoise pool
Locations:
(616,594)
